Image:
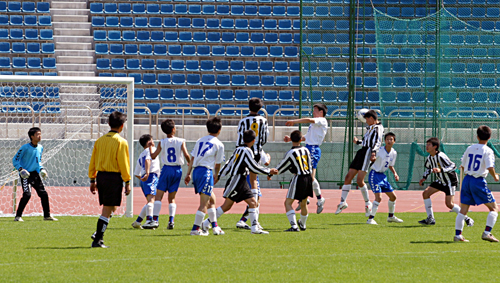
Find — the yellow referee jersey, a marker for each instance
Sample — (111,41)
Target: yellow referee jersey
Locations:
(110,154)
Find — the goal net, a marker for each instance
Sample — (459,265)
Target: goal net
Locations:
(72,113)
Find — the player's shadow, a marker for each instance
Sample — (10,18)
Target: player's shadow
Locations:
(58,248)
(347,224)
(431,242)
(165,235)
(410,226)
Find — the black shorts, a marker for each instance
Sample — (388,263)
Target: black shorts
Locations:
(448,190)
(362,159)
(109,188)
(300,187)
(237,189)
(33,181)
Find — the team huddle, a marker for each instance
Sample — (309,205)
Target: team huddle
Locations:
(110,167)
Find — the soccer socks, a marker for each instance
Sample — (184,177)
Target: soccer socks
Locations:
(364,193)
(255,193)
(156,210)
(374,209)
(149,211)
(459,224)
(142,215)
(198,218)
(303,219)
(428,207)
(245,215)
(491,220)
(345,192)
(102,224)
(392,207)
(254,218)
(171,211)
(219,212)
(291,218)
(316,189)
(212,215)
(456,208)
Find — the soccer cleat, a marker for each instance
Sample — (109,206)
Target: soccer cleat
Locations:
(341,207)
(50,218)
(394,219)
(320,205)
(205,226)
(460,238)
(93,236)
(488,237)
(259,231)
(428,221)
(199,232)
(170,226)
(99,244)
(291,229)
(469,221)
(259,226)
(368,209)
(150,224)
(242,225)
(18,218)
(299,207)
(371,221)
(218,231)
(302,227)
(137,225)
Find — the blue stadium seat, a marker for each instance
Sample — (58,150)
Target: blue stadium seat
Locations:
(212,94)
(236,66)
(44,7)
(181,94)
(255,24)
(33,48)
(118,64)
(18,47)
(251,66)
(196,94)
(164,79)
(153,9)
(226,95)
(151,94)
(271,38)
(138,8)
(256,94)
(52,92)
(227,112)
(44,20)
(208,79)
(223,80)
(241,94)
(46,34)
(193,79)
(178,79)
(257,37)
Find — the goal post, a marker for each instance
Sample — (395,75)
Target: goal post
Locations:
(71,112)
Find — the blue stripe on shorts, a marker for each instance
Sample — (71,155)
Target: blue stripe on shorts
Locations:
(315,151)
(149,187)
(475,191)
(170,178)
(203,180)
(379,183)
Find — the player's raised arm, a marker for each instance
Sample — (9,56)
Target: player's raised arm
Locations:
(157,151)
(300,121)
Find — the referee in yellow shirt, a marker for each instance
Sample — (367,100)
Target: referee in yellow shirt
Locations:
(109,168)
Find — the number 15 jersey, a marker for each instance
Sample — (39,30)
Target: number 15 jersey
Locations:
(171,151)
(207,152)
(477,159)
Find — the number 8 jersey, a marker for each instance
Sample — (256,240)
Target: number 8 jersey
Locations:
(171,152)
(477,159)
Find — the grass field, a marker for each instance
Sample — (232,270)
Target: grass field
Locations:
(333,249)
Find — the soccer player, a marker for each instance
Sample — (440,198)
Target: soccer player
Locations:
(438,163)
(109,167)
(297,160)
(371,142)
(236,190)
(258,124)
(174,150)
(28,161)
(147,171)
(314,138)
(385,159)
(206,157)
(477,161)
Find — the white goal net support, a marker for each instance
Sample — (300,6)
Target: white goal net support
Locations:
(72,113)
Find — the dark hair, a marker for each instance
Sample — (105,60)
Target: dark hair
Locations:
(371,113)
(248,136)
(214,125)
(296,136)
(484,133)
(116,119)
(390,134)
(321,107)
(434,142)
(168,126)
(143,140)
(255,104)
(33,131)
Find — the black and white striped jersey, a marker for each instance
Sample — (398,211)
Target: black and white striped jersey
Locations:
(373,137)
(241,162)
(258,124)
(447,176)
(297,160)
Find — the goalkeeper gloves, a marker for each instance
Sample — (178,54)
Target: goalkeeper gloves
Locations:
(43,174)
(24,173)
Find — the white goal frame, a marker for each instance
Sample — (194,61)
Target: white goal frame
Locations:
(128,81)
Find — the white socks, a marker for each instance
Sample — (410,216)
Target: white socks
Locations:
(428,207)
(149,209)
(459,222)
(375,208)
(392,206)
(291,218)
(364,193)
(345,192)
(456,208)
(255,194)
(316,188)
(303,219)
(254,218)
(198,218)
(212,214)
(219,212)
(143,211)
(491,219)
(171,209)
(157,208)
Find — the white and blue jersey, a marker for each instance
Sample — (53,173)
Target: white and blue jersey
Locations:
(150,185)
(29,157)
(207,152)
(172,158)
(476,161)
(314,138)
(377,178)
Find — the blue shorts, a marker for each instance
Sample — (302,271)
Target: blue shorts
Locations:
(475,191)
(149,187)
(315,154)
(258,184)
(203,180)
(379,183)
(170,178)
